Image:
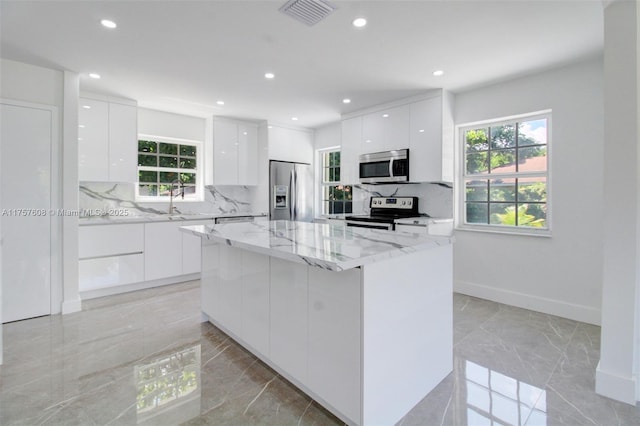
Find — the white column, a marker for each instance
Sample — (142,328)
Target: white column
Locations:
(616,372)
(70,294)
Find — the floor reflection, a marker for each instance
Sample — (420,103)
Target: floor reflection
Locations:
(496,399)
(169,386)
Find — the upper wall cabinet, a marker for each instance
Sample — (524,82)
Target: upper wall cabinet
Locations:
(423,124)
(107,141)
(386,130)
(235,153)
(432,133)
(288,144)
(350,150)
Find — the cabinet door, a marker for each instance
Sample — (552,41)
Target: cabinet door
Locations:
(290,145)
(350,150)
(162,250)
(386,130)
(230,290)
(334,338)
(425,156)
(209,282)
(288,337)
(110,271)
(110,240)
(93,140)
(191,249)
(373,133)
(225,152)
(123,136)
(247,154)
(396,128)
(255,300)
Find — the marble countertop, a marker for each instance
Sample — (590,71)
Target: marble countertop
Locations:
(113,219)
(334,246)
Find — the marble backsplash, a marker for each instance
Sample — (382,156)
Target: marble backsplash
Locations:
(434,199)
(107,196)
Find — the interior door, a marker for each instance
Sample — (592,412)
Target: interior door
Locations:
(25,189)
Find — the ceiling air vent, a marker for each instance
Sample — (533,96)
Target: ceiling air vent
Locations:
(308,11)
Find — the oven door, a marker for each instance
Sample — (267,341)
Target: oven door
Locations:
(370,225)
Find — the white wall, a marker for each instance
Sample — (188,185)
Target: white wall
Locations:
(616,375)
(560,275)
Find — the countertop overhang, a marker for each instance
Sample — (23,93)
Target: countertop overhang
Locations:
(334,247)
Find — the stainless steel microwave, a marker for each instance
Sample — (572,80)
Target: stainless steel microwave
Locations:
(382,167)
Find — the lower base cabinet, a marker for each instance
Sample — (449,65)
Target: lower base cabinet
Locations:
(110,271)
(302,320)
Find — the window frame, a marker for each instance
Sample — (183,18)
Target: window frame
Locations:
(324,184)
(462,176)
(199,172)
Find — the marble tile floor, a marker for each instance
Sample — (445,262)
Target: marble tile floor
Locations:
(145,358)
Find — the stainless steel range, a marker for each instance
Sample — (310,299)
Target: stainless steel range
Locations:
(384,211)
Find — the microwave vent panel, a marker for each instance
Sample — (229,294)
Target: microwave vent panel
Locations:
(309,12)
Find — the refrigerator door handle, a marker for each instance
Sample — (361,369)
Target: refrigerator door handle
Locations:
(292,192)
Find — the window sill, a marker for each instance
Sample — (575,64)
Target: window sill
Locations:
(546,233)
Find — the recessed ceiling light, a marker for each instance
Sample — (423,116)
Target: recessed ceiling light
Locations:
(421,131)
(385,115)
(108,24)
(94,75)
(220,102)
(346,101)
(269,75)
(86,106)
(294,118)
(359,22)
(438,73)
(368,141)
(269,127)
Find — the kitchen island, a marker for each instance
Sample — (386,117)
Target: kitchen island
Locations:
(359,319)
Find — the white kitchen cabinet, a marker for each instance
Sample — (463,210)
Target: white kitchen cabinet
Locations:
(386,130)
(255,300)
(209,288)
(288,309)
(93,140)
(430,157)
(334,338)
(191,250)
(235,152)
(350,150)
(123,143)
(110,271)
(247,154)
(229,286)
(107,141)
(169,252)
(288,144)
(162,250)
(110,255)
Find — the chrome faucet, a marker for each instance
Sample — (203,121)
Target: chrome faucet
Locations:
(181,187)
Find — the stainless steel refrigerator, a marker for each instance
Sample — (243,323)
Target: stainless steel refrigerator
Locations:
(290,191)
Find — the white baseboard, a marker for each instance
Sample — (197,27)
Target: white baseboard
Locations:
(71,306)
(621,389)
(110,291)
(559,308)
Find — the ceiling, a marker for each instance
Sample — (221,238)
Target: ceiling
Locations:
(184,56)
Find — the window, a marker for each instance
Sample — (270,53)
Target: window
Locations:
(505,174)
(336,198)
(164,164)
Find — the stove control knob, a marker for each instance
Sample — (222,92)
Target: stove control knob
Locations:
(404,203)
